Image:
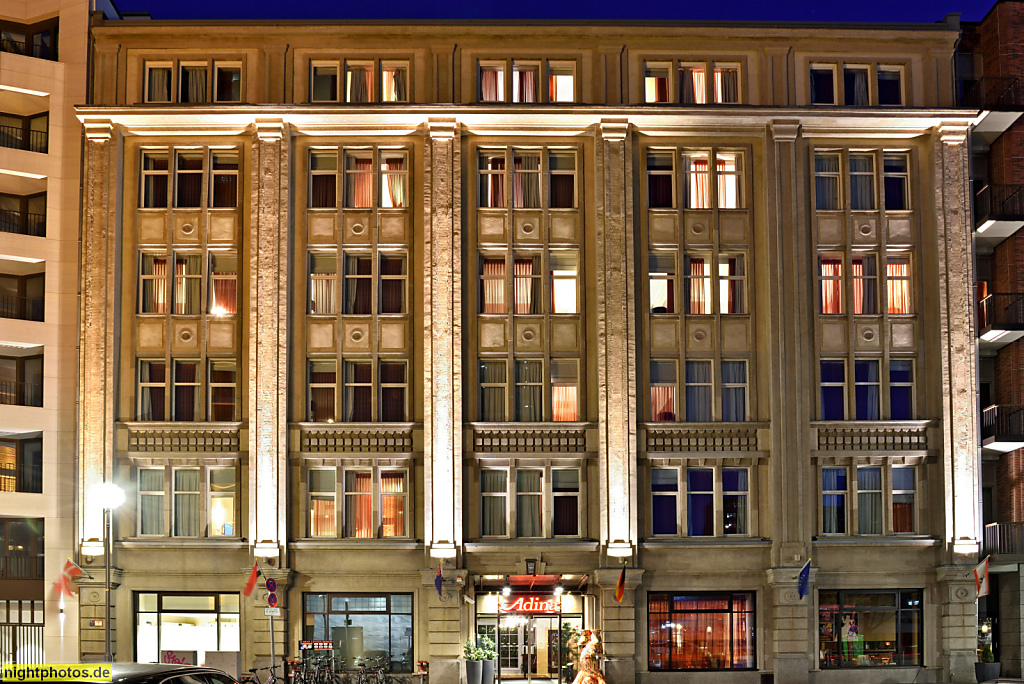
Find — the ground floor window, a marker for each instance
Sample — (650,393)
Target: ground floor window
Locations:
(700,630)
(182,623)
(362,626)
(858,628)
(21,632)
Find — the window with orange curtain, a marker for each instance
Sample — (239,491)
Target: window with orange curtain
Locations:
(692,85)
(393,497)
(564,389)
(492,284)
(561,81)
(526,284)
(358,504)
(897,276)
(153,284)
(700,631)
(322,512)
(359,180)
(696,186)
(697,284)
(223,284)
(864,277)
(492,179)
(663,391)
(525,79)
(830,276)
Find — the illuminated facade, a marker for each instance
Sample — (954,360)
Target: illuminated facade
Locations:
(525,302)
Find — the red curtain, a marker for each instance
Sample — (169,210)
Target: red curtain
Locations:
(564,403)
(700,284)
(663,404)
(494,285)
(831,285)
(392,489)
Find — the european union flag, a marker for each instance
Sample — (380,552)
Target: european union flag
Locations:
(438,580)
(804,578)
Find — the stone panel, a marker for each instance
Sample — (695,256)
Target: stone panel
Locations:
(151,334)
(564,226)
(223,227)
(492,335)
(187,227)
(185,336)
(528,336)
(699,334)
(735,333)
(320,334)
(392,336)
(358,228)
(865,230)
(904,335)
(697,228)
(528,226)
(900,231)
(733,227)
(393,228)
(221,336)
(867,335)
(355,336)
(491,227)
(322,227)
(153,228)
(830,229)
(662,228)
(565,335)
(664,335)
(833,335)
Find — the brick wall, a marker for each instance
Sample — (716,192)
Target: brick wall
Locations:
(1006,155)
(1002,39)
(1010,487)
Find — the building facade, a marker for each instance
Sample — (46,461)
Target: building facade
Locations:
(535,308)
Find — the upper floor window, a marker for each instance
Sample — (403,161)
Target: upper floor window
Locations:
(163,291)
(190,82)
(874,380)
(530,173)
(700,502)
(687,82)
(183,390)
(863,283)
(375,502)
(707,395)
(371,178)
(370,392)
(861,181)
(25,132)
(862,85)
(203,502)
(21,380)
(37,40)
(884,495)
(23,297)
(22,544)
(21,465)
(710,179)
(23,214)
(189,171)
(364,81)
(823,84)
(532,81)
(890,85)
(530,502)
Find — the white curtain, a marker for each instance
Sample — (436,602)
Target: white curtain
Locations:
(186,503)
(492,508)
(698,391)
(528,504)
(869,500)
(196,76)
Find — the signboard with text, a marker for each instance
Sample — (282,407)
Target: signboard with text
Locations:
(531,605)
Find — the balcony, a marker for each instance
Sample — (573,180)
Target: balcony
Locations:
(1002,428)
(21,307)
(18,138)
(1004,539)
(21,568)
(1000,320)
(21,393)
(22,223)
(998,213)
(997,93)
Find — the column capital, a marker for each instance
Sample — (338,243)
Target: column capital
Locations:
(442,128)
(614,130)
(98,130)
(953,134)
(269,130)
(785,130)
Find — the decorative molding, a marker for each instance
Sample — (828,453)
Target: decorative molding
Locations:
(441,129)
(785,131)
(614,130)
(953,134)
(182,437)
(529,437)
(316,438)
(740,439)
(269,130)
(873,436)
(98,131)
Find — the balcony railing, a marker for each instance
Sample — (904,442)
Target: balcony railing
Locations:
(1004,538)
(22,223)
(14,137)
(42,49)
(993,92)
(21,393)
(1001,311)
(21,307)
(999,203)
(1002,420)
(21,567)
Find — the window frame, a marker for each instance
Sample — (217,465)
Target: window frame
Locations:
(832,619)
(750,646)
(149,66)
(211,496)
(822,67)
(140,493)
(711,70)
(226,65)
(718,494)
(341,496)
(193,64)
(545,496)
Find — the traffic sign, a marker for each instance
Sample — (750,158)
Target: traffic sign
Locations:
(271,584)
(272,600)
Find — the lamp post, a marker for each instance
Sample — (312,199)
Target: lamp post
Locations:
(111,496)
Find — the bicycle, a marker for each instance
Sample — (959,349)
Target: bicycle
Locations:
(376,674)
(253,678)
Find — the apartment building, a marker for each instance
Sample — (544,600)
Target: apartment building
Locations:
(43,76)
(989,73)
(534,307)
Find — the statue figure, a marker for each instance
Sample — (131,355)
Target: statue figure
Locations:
(588,642)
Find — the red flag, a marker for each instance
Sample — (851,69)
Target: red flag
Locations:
(63,583)
(620,586)
(981,579)
(251,584)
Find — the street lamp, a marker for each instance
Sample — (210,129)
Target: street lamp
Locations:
(110,497)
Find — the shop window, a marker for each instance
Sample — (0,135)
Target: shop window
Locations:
(185,621)
(21,465)
(864,628)
(362,626)
(22,544)
(700,631)
(546,502)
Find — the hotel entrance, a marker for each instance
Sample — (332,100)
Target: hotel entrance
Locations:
(530,624)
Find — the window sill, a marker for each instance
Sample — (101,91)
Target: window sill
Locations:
(875,540)
(705,542)
(232,543)
(311,543)
(501,545)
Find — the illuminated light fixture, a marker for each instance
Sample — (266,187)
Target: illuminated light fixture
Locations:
(442,549)
(620,549)
(22,174)
(994,334)
(92,547)
(507,588)
(26,91)
(267,549)
(559,589)
(986,225)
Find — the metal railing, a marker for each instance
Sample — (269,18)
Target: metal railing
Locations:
(21,393)
(993,92)
(999,202)
(1002,420)
(14,137)
(1004,311)
(21,307)
(21,567)
(21,644)
(22,223)
(1005,538)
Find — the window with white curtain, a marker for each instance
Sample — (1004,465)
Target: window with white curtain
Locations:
(884,495)
(698,394)
(532,80)
(686,82)
(855,86)
(826,182)
(545,502)
(734,391)
(869,500)
(867,386)
(192,83)
(833,500)
(151,502)
(158,82)
(185,513)
(862,182)
(493,503)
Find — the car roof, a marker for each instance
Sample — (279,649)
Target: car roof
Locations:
(145,672)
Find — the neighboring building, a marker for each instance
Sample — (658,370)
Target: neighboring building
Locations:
(525,301)
(990,76)
(43,76)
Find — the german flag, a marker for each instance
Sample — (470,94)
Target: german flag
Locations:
(620,586)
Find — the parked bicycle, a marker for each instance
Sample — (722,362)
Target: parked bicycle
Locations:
(374,671)
(254,678)
(317,670)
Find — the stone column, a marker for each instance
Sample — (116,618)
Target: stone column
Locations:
(268,341)
(444,622)
(618,624)
(92,610)
(791,476)
(257,638)
(442,388)
(957,348)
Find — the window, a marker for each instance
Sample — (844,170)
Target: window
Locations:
(188,179)
(224,178)
(394,81)
(661,272)
(896,181)
(830,279)
(188,394)
(833,389)
(862,182)
(223,289)
(23,214)
(323,82)
(686,82)
(359,402)
(200,622)
(823,90)
(526,184)
(202,502)
(227,82)
(154,180)
(697,187)
(546,502)
(734,391)
(158,82)
(865,284)
(223,387)
(901,389)
(323,278)
(323,179)
(698,391)
(890,86)
(862,628)
(21,465)
(365,81)
(731,278)
(903,508)
(532,81)
(22,543)
(826,182)
(869,500)
(700,631)
(186,390)
(855,86)
(376,502)
(192,83)
(151,501)
(833,500)
(323,385)
(222,502)
(873,378)
(188,281)
(21,380)
(185,513)
(716,501)
(372,178)
(897,278)
(663,391)
(699,395)
(727,84)
(188,278)
(23,297)
(383,621)
(29,133)
(866,388)
(660,183)
(697,284)
(37,40)
(359,83)
(152,390)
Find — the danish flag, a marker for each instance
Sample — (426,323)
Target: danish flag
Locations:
(63,583)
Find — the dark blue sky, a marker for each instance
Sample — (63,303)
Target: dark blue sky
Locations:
(645,10)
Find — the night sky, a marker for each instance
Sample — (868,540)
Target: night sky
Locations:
(623,10)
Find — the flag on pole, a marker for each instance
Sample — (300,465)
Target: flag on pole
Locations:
(804,578)
(981,579)
(253,576)
(620,585)
(438,579)
(63,583)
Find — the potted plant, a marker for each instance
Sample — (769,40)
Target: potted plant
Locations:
(490,658)
(986,668)
(474,662)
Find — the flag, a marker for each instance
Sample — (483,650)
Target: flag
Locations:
(63,583)
(981,579)
(251,584)
(438,580)
(620,585)
(803,578)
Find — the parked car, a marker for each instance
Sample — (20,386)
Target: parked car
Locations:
(159,673)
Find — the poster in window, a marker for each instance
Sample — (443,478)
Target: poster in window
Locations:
(827,630)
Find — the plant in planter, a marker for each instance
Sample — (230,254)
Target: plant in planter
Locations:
(474,656)
(489,658)
(986,668)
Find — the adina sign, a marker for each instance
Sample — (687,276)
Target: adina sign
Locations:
(529,604)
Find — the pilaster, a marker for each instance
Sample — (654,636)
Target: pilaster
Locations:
(92,612)
(444,622)
(789,619)
(958,622)
(268,335)
(257,633)
(618,624)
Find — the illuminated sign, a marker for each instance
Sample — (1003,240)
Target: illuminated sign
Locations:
(529,604)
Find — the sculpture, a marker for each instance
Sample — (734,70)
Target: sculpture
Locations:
(588,643)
